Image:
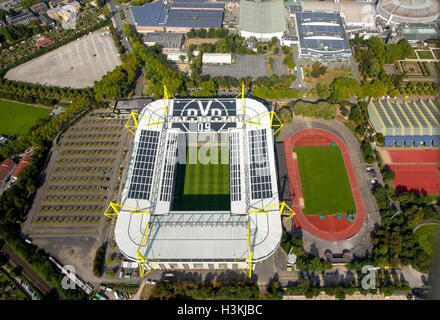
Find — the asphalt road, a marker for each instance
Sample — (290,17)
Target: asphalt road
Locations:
(117,23)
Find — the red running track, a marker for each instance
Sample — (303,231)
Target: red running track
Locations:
(330,228)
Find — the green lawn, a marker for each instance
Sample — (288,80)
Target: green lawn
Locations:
(426,236)
(202,186)
(17,118)
(425,54)
(324,180)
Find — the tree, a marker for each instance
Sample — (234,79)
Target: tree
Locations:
(182,58)
(317,70)
(128,31)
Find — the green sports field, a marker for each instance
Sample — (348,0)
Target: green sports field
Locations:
(17,118)
(202,186)
(324,180)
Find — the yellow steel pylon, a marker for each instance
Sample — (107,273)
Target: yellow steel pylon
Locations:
(113,210)
(282,205)
(134,116)
(242,96)
(272,125)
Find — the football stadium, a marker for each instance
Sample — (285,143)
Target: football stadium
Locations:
(201,187)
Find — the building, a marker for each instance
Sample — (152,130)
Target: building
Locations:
(10,4)
(154,229)
(322,37)
(169,41)
(42,42)
(262,20)
(40,7)
(178,16)
(417,33)
(23,18)
(217,58)
(252,44)
(406,123)
(405,11)
(132,105)
(24,162)
(176,56)
(54,3)
(7,166)
(64,12)
(355,14)
(45,20)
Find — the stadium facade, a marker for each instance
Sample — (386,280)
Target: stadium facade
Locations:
(409,11)
(414,123)
(322,37)
(262,20)
(168,237)
(177,16)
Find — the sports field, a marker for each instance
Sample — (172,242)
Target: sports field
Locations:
(17,118)
(202,186)
(324,180)
(426,236)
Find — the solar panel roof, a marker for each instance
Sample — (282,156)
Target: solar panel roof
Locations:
(195,18)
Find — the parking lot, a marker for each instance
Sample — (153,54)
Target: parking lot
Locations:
(77,64)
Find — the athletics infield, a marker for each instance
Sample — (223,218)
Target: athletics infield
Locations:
(331,227)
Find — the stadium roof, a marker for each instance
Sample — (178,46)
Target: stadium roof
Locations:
(416,118)
(195,235)
(322,32)
(262,17)
(409,10)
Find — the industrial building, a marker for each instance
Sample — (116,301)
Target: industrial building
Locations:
(262,20)
(169,41)
(23,18)
(414,123)
(152,230)
(408,11)
(417,33)
(217,58)
(177,16)
(354,14)
(322,37)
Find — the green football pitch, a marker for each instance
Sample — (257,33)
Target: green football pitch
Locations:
(324,180)
(17,118)
(203,186)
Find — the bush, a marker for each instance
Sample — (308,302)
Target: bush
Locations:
(98,263)
(322,109)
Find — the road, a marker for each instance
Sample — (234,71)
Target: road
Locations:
(354,69)
(27,271)
(117,23)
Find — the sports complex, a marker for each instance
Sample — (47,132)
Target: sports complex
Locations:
(201,186)
(323,186)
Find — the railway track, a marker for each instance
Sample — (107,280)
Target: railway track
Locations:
(27,271)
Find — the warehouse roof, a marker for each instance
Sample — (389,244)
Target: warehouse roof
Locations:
(416,118)
(321,31)
(197,5)
(195,18)
(167,40)
(150,14)
(262,17)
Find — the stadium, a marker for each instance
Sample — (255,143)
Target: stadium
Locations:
(201,186)
(409,11)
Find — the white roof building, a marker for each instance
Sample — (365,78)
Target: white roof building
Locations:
(248,232)
(217,58)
